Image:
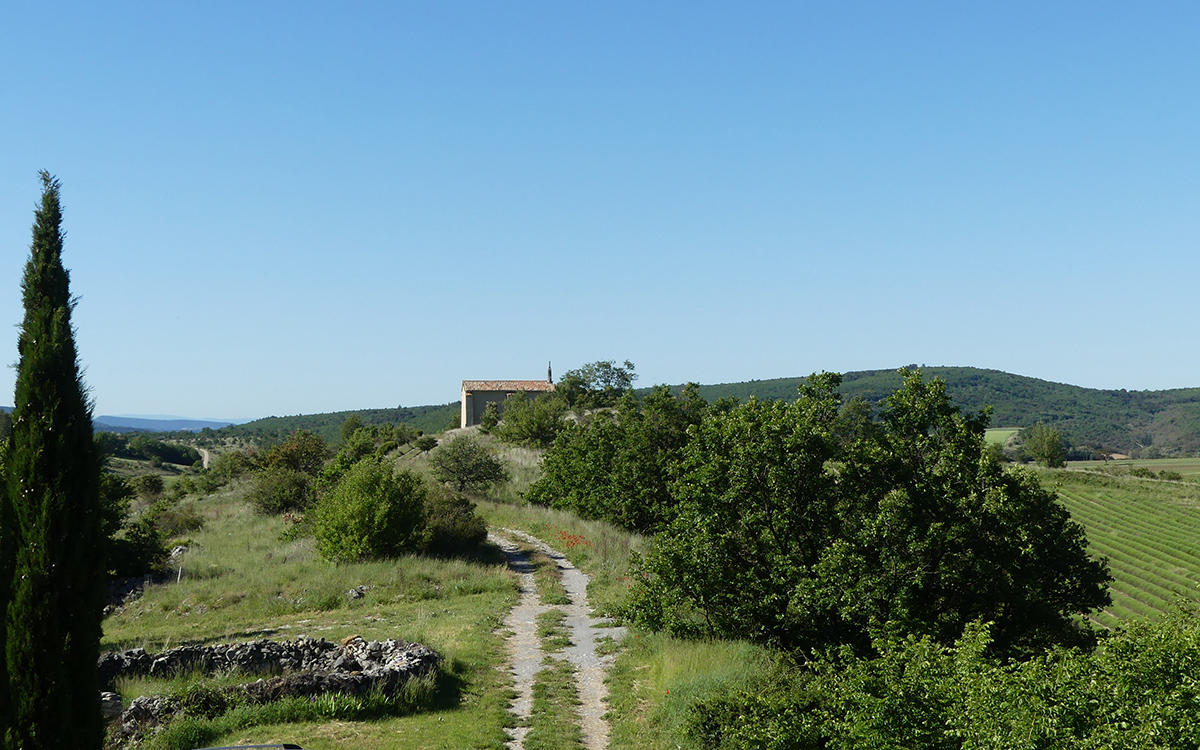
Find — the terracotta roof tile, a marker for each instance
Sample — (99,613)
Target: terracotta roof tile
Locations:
(509,386)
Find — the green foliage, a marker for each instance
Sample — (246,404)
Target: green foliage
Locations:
(135,546)
(286,478)
(148,486)
(302,452)
(329,426)
(373,512)
(172,519)
(596,384)
(52,566)
(352,425)
(279,490)
(532,421)
(1137,690)
(796,527)
(466,465)
(490,418)
(1088,418)
(618,466)
(452,525)
(1044,444)
(229,465)
(425,443)
(355,447)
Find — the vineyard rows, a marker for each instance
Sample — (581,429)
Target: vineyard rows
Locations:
(1148,529)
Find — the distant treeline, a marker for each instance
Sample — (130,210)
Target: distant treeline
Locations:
(144,447)
(1146,423)
(272,430)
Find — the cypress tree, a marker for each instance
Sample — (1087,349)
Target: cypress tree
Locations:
(53,618)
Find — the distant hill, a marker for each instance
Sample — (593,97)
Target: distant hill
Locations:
(1168,422)
(108,423)
(269,429)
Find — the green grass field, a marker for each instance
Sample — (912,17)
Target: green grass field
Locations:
(1147,528)
(1188,467)
(241,582)
(1000,435)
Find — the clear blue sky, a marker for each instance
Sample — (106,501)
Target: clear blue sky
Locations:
(291,207)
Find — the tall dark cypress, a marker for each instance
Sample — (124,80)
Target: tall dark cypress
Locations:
(53,622)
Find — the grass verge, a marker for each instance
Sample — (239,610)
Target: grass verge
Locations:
(554,724)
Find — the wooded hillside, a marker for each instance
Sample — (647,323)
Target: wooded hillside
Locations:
(1154,422)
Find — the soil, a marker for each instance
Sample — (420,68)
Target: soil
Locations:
(525,651)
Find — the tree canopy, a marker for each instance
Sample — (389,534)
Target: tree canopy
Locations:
(596,384)
(804,525)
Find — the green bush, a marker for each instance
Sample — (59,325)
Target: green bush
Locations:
(426,443)
(148,486)
(173,519)
(532,421)
(452,527)
(280,489)
(373,512)
(490,418)
(230,465)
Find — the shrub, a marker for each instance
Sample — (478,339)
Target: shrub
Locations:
(172,519)
(532,421)
(148,486)
(452,527)
(303,451)
(490,418)
(230,465)
(426,443)
(280,489)
(372,512)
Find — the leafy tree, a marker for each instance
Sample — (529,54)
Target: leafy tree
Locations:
(352,425)
(532,421)
(287,474)
(490,418)
(303,451)
(52,516)
(618,466)
(464,464)
(787,532)
(596,384)
(373,512)
(1044,444)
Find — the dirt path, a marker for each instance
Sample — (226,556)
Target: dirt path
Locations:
(204,457)
(526,652)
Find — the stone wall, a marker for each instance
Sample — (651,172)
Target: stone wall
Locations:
(309,667)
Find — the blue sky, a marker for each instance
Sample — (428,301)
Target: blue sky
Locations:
(283,208)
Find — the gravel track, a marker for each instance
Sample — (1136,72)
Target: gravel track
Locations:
(525,651)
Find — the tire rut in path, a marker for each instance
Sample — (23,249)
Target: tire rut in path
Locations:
(525,648)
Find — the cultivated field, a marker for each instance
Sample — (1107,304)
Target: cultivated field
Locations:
(1000,435)
(1147,528)
(1188,467)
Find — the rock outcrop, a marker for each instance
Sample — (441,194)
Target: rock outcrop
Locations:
(306,667)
